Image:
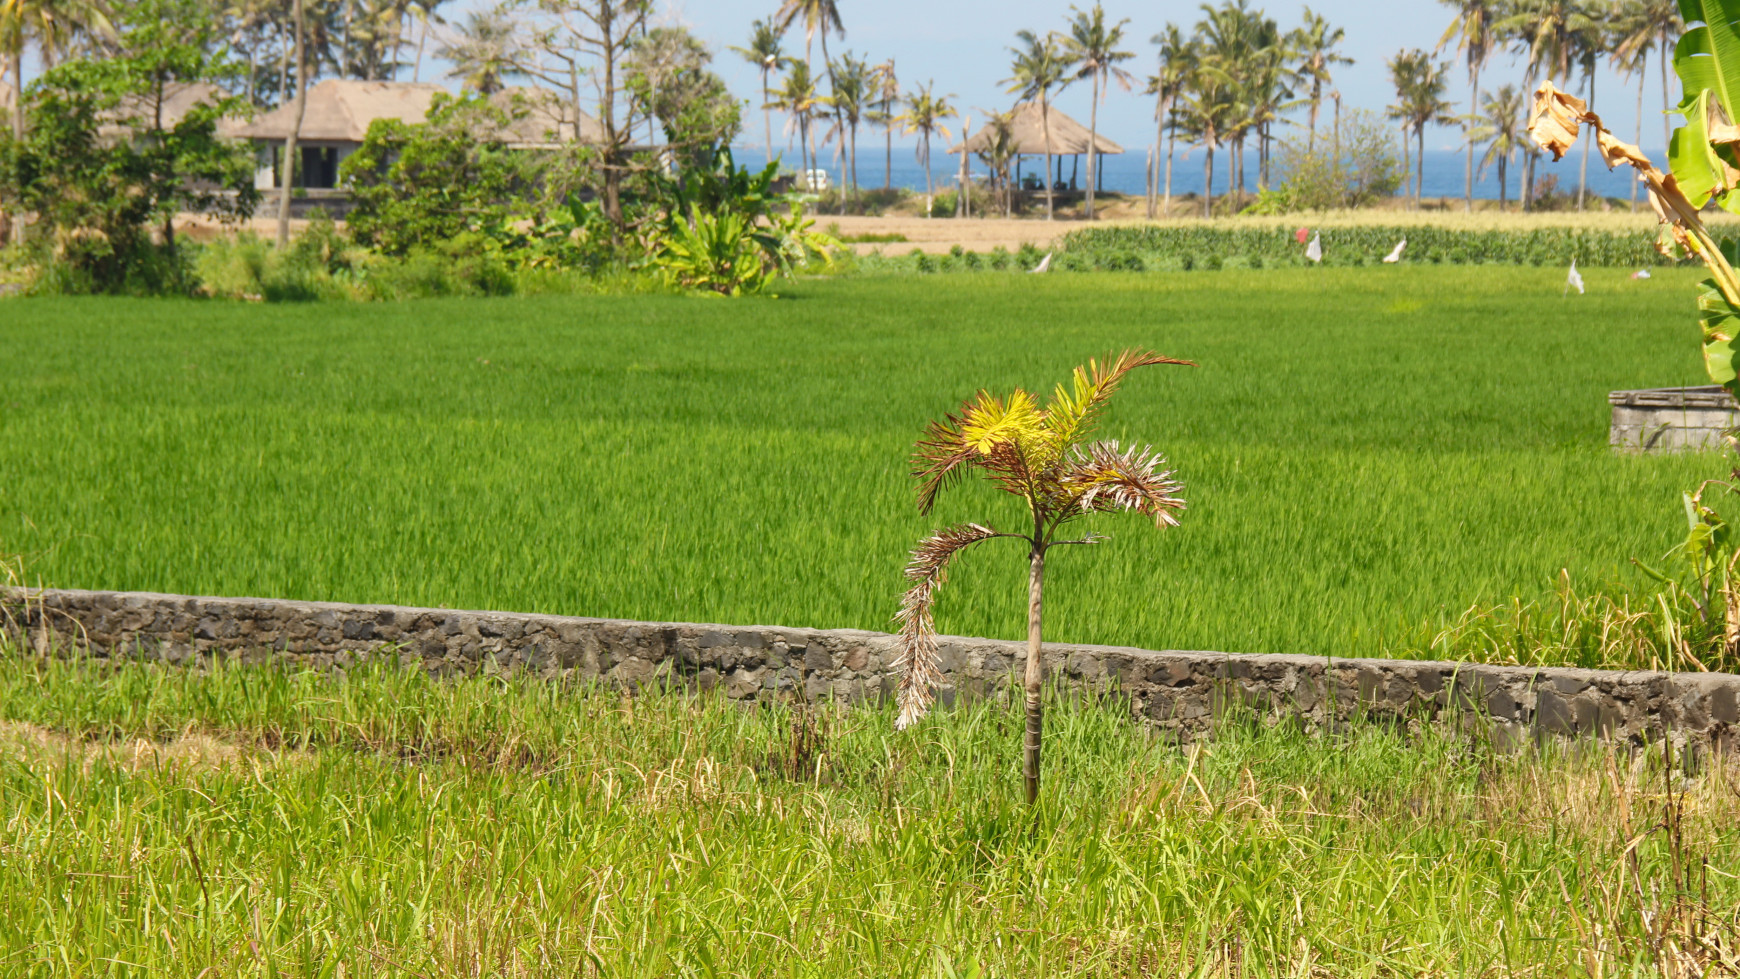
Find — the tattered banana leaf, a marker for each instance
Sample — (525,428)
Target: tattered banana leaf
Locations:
(1702,163)
(1721,323)
(1707,57)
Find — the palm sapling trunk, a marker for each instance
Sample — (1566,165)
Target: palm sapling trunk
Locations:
(1040,455)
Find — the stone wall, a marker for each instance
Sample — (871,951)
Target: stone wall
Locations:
(1179,692)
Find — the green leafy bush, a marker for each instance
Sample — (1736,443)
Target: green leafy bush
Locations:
(102,170)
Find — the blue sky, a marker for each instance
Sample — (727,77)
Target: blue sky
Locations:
(963,46)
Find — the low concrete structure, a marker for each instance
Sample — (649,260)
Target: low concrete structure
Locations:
(1672,419)
(1179,692)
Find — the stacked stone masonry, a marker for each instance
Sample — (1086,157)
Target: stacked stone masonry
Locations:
(1178,692)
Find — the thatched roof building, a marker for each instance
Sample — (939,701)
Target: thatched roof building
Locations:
(1068,137)
(340,110)
(178,99)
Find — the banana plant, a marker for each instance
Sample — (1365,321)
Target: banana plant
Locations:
(1040,455)
(1703,160)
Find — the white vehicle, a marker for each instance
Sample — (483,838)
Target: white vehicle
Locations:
(816,181)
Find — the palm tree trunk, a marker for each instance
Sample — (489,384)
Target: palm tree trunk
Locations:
(1151,178)
(1661,55)
(288,170)
(1166,194)
(1419,163)
(1583,175)
(423,38)
(1316,100)
(1468,174)
(1503,203)
(1035,676)
(1045,128)
(15,67)
(1407,163)
(1208,181)
(924,160)
(854,161)
(1642,73)
(888,151)
(766,114)
(1093,144)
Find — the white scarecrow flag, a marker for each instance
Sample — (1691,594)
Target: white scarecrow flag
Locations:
(1574,280)
(1396,255)
(1043,266)
(1314,251)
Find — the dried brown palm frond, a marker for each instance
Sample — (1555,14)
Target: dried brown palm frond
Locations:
(917,661)
(1101,478)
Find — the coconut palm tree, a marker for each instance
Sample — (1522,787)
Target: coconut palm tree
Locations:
(1314,44)
(1239,46)
(798,99)
(1178,59)
(1500,127)
(1591,42)
(818,16)
(287,178)
(1544,32)
(53,25)
(1038,70)
(1266,97)
(1641,25)
(924,114)
(424,13)
(1041,455)
(1211,111)
(853,86)
(1092,47)
(886,86)
(764,52)
(997,150)
(1419,83)
(1472,30)
(482,53)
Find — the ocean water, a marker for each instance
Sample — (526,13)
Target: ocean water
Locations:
(1443,171)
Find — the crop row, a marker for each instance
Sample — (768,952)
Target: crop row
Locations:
(1183,247)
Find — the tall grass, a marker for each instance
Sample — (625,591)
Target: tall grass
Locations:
(253,821)
(1365,452)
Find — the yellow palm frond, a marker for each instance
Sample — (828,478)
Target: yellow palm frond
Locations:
(1070,414)
(990,421)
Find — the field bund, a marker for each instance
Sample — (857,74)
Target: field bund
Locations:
(1178,692)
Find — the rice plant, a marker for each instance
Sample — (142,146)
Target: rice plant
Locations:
(1369,452)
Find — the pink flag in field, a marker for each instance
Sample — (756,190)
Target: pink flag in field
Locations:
(1301,235)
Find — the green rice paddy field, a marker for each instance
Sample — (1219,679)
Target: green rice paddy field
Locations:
(1366,451)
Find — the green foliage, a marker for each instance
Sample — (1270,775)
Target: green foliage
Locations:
(417,185)
(101,167)
(1356,171)
(725,235)
(722,252)
(668,77)
(388,824)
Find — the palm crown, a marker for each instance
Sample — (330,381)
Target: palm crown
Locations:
(1041,455)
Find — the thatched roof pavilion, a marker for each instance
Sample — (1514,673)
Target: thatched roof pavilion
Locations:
(1068,139)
